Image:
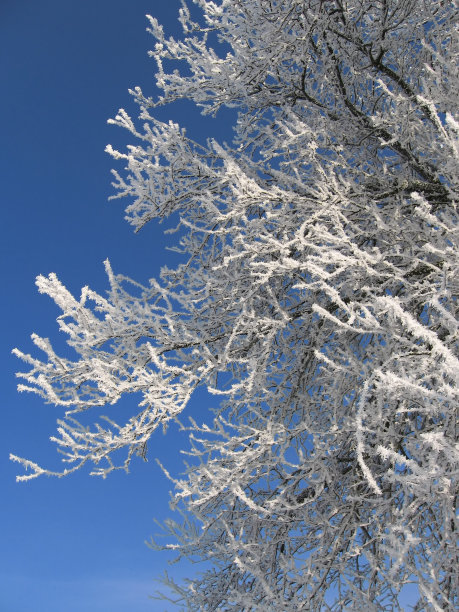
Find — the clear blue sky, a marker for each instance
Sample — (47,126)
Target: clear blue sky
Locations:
(72,544)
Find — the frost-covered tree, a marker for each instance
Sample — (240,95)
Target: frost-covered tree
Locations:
(318,303)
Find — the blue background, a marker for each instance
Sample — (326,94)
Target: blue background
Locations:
(76,543)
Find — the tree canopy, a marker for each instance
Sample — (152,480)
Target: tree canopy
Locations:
(317,302)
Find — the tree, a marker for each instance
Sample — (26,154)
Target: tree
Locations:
(318,303)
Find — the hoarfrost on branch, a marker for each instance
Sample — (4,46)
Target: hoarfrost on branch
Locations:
(318,303)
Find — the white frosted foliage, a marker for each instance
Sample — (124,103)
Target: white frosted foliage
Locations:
(318,304)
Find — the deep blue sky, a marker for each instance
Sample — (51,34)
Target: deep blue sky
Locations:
(72,544)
